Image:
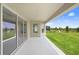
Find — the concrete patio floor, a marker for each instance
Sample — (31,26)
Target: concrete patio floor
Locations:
(36,46)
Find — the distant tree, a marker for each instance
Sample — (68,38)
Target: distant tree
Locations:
(48,28)
(11,28)
(5,29)
(77,29)
(67,29)
(56,28)
(60,28)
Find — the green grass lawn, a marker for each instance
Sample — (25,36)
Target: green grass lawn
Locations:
(8,34)
(67,42)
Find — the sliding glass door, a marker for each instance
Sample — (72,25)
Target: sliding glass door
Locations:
(13,31)
(25,30)
(20,31)
(9,32)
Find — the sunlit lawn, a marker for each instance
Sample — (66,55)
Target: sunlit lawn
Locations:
(8,34)
(67,42)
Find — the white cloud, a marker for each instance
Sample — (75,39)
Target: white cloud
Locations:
(49,24)
(71,14)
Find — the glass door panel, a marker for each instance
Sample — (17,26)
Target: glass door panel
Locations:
(9,32)
(20,31)
(25,31)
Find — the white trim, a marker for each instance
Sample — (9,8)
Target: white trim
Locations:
(1,29)
(23,30)
(60,52)
(9,39)
(17,31)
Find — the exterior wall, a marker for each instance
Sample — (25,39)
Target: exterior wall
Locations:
(7,47)
(32,34)
(20,36)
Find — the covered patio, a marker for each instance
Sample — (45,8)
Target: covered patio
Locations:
(36,46)
(29,21)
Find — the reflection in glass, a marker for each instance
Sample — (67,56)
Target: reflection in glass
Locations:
(20,31)
(25,28)
(8,30)
(25,31)
(21,28)
(9,37)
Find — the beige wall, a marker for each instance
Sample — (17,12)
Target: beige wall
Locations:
(32,34)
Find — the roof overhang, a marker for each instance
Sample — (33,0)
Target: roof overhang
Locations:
(39,11)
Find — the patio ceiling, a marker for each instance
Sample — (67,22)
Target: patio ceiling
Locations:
(39,11)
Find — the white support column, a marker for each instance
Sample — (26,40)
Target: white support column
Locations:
(40,29)
(1,29)
(44,29)
(28,29)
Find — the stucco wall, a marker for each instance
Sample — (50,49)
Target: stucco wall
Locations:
(32,34)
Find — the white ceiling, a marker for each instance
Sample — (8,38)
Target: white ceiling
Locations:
(36,11)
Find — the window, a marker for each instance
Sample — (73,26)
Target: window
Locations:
(35,28)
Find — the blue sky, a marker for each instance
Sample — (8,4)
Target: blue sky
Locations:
(70,19)
(8,25)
